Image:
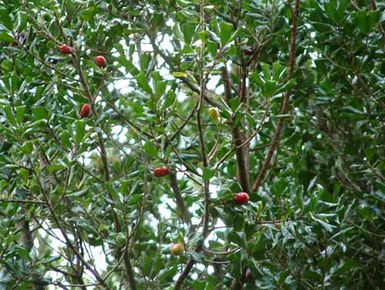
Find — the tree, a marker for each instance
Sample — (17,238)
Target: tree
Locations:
(298,89)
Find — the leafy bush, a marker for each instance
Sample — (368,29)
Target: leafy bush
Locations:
(298,88)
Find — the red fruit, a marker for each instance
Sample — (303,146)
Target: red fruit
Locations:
(101,61)
(161,171)
(64,48)
(241,198)
(85,111)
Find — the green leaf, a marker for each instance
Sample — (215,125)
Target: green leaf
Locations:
(198,257)
(207,173)
(135,199)
(203,36)
(5,19)
(6,37)
(22,19)
(259,245)
(328,227)
(237,238)
(79,193)
(211,283)
(367,20)
(225,32)
(238,223)
(269,88)
(167,273)
(157,21)
(160,88)
(266,71)
(8,112)
(40,113)
(277,71)
(170,99)
(150,149)
(123,60)
(80,130)
(23,253)
(27,148)
(89,14)
(287,86)
(143,83)
(257,79)
(65,139)
(20,111)
(176,29)
(55,167)
(188,30)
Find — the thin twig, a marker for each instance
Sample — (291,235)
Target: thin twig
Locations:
(208,95)
(3,200)
(248,140)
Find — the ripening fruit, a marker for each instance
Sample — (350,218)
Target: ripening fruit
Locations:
(101,61)
(85,111)
(161,171)
(241,198)
(177,249)
(214,114)
(64,48)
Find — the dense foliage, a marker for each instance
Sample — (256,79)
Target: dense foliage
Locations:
(299,90)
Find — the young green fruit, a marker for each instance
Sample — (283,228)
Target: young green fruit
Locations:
(85,111)
(161,171)
(101,61)
(65,49)
(214,114)
(241,198)
(177,249)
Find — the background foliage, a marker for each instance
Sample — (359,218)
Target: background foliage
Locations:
(79,203)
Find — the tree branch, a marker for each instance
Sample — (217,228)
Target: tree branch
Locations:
(27,242)
(184,274)
(243,175)
(285,103)
(67,239)
(103,155)
(206,183)
(179,199)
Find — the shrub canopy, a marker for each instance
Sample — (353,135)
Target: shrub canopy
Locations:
(298,86)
